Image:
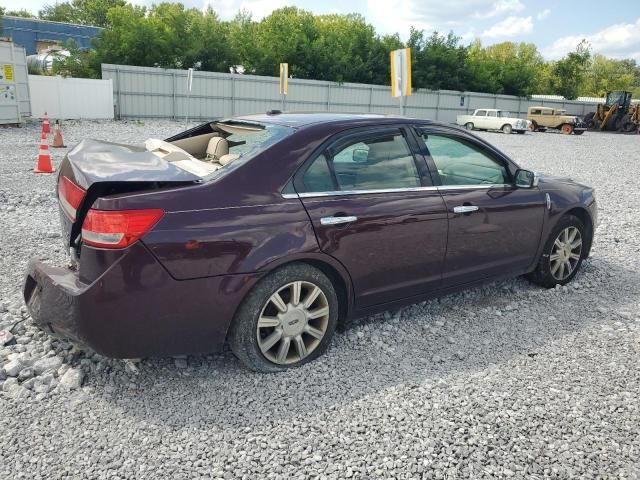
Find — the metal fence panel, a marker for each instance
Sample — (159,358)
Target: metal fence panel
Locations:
(145,92)
(65,98)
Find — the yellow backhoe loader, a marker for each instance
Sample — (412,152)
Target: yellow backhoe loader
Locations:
(615,115)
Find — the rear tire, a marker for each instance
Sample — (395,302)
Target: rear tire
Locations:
(578,132)
(534,126)
(274,330)
(507,128)
(562,256)
(468,126)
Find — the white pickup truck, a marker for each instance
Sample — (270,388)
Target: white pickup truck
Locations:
(493,119)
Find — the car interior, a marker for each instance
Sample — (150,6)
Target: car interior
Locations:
(459,163)
(206,153)
(381,163)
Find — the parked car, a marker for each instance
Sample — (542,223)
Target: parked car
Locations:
(493,119)
(266,231)
(542,118)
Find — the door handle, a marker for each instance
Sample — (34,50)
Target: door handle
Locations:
(337,220)
(465,209)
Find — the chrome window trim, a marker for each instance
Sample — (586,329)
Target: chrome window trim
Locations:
(474,187)
(342,193)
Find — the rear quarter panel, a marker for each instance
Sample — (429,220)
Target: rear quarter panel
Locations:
(239,223)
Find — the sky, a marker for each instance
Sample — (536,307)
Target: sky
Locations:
(555,27)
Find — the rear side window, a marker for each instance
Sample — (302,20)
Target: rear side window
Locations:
(461,163)
(372,163)
(318,177)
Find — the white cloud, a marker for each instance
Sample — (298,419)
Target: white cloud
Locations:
(392,16)
(543,14)
(621,40)
(258,8)
(509,27)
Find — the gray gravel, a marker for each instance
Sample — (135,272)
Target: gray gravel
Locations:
(504,381)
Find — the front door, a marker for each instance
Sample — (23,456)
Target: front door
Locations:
(374,209)
(494,227)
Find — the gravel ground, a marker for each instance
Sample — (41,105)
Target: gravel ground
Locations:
(503,381)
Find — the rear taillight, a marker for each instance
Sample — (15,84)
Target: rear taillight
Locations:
(71,196)
(118,228)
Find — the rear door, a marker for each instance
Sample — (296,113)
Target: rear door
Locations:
(375,210)
(494,226)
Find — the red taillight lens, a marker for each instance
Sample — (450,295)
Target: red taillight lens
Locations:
(118,228)
(71,196)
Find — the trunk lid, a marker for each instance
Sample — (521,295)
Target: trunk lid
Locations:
(104,168)
(94,161)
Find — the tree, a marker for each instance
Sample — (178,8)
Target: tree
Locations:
(84,12)
(438,62)
(568,75)
(606,74)
(79,64)
(18,13)
(59,12)
(210,48)
(507,68)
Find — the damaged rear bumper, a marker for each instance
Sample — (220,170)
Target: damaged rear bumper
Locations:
(135,308)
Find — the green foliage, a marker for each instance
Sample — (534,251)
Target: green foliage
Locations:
(166,35)
(568,75)
(18,13)
(438,62)
(606,74)
(84,12)
(507,68)
(79,64)
(340,48)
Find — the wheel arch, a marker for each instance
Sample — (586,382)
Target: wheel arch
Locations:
(585,217)
(337,273)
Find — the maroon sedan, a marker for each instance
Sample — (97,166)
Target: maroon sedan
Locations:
(266,231)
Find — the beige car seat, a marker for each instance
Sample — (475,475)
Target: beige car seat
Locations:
(217,148)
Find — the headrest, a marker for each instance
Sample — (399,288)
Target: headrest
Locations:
(217,147)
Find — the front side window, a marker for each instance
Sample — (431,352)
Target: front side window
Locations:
(481,113)
(372,163)
(461,163)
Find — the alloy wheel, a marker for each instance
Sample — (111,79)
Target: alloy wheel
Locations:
(293,322)
(565,253)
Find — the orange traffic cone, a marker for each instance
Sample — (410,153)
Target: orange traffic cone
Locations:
(44,157)
(57,137)
(45,124)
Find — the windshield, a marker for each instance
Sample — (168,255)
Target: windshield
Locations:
(615,97)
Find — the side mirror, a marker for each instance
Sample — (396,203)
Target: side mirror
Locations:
(360,155)
(525,178)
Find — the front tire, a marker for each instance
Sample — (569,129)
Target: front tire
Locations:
(563,253)
(286,320)
(566,128)
(507,129)
(468,126)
